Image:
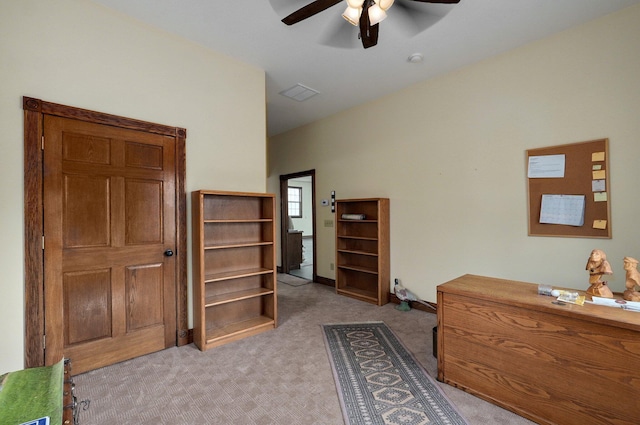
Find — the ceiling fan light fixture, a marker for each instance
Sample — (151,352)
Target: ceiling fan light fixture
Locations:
(352,15)
(384,4)
(364,14)
(376,14)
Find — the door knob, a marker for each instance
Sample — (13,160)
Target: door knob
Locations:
(168,253)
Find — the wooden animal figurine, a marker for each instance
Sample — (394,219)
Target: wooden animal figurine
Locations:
(633,279)
(597,265)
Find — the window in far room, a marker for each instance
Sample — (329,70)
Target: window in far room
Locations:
(295,201)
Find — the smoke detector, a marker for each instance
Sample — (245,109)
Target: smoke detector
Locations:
(415,58)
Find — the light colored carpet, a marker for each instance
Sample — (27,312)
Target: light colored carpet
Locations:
(278,377)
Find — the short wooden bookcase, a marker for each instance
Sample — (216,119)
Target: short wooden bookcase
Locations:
(234,273)
(362,249)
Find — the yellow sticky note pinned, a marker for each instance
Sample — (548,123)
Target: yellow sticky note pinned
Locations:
(597,167)
(600,224)
(600,174)
(597,156)
(600,197)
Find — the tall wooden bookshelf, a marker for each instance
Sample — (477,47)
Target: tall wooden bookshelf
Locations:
(234,273)
(362,245)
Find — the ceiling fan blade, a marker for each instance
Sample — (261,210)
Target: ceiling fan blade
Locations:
(309,10)
(439,1)
(368,32)
(371,37)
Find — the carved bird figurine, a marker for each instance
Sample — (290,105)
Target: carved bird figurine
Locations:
(405,296)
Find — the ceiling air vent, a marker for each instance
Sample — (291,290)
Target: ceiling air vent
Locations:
(299,92)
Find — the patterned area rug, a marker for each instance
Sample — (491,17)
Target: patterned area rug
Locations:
(379,382)
(292,280)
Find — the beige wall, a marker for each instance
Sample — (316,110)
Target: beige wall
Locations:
(450,154)
(80,54)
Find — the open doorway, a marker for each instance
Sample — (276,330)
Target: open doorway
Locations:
(298,224)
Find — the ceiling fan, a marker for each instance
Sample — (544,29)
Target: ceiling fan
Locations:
(366,14)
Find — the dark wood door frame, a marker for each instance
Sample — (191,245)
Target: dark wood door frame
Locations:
(34,111)
(284,225)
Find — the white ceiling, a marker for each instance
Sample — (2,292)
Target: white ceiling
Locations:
(449,37)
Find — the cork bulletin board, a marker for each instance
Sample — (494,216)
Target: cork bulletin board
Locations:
(569,193)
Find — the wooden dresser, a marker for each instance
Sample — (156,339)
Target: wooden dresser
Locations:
(553,364)
(294,249)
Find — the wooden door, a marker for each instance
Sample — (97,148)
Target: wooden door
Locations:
(110,231)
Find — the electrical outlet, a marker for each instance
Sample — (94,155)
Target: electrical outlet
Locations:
(331,266)
(328,223)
